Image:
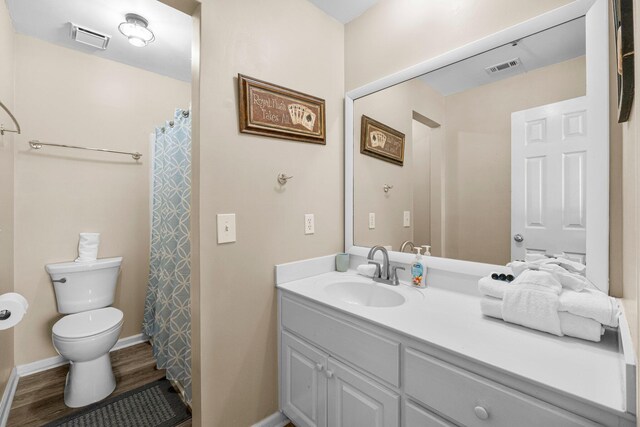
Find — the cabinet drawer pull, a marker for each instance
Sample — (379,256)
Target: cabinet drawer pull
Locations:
(481,412)
(319,367)
(329,373)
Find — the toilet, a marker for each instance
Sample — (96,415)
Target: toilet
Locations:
(90,329)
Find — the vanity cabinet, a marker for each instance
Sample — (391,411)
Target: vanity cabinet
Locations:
(339,371)
(317,388)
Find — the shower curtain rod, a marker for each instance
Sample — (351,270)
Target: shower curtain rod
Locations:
(36,145)
(2,129)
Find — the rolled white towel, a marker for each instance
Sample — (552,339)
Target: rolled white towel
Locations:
(570,324)
(532,305)
(88,247)
(591,303)
(367,270)
(492,288)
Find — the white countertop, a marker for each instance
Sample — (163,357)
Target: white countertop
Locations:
(453,321)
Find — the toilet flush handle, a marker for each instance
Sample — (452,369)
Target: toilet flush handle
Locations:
(63,280)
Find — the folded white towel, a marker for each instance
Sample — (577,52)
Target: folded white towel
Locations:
(367,270)
(570,324)
(532,305)
(491,307)
(580,327)
(567,279)
(493,288)
(591,303)
(88,247)
(538,280)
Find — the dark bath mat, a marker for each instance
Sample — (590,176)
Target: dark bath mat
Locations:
(153,405)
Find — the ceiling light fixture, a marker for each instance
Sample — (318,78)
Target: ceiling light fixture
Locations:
(135,29)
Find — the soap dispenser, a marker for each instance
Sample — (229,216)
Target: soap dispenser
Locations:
(418,270)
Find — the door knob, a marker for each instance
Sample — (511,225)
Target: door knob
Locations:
(328,373)
(319,367)
(481,412)
(518,238)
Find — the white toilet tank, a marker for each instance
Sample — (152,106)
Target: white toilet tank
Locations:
(82,286)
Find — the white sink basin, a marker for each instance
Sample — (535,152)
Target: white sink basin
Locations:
(365,294)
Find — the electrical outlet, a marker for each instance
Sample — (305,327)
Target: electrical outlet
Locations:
(372,220)
(226,228)
(407,219)
(309,224)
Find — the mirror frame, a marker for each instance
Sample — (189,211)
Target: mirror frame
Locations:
(597,71)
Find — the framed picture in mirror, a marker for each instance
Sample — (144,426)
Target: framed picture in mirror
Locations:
(623,30)
(380,141)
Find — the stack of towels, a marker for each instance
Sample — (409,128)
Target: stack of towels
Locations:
(551,295)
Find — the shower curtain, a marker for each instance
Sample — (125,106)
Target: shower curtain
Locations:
(167,310)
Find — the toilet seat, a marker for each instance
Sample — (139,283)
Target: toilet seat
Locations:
(88,323)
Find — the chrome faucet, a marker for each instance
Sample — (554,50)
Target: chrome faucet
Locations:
(385,273)
(407,243)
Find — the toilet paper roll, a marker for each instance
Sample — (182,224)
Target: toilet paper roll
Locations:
(13,307)
(88,247)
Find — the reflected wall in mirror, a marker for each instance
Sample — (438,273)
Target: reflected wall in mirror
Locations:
(495,148)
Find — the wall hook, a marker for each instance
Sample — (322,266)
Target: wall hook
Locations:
(282,178)
(387,187)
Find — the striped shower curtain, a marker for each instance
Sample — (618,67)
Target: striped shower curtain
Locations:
(167,310)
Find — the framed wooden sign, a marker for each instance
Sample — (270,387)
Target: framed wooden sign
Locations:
(623,30)
(381,141)
(278,112)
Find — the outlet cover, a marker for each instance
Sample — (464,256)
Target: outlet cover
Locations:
(226,228)
(406,219)
(372,220)
(309,224)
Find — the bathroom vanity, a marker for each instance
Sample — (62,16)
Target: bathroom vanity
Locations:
(358,353)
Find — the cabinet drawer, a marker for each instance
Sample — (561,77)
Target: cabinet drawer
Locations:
(378,356)
(471,400)
(418,417)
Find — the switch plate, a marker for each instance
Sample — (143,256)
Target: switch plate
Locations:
(226,228)
(407,219)
(372,220)
(309,224)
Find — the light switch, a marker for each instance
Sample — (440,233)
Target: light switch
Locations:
(309,224)
(407,219)
(226,228)
(372,221)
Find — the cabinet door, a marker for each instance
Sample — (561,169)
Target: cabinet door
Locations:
(304,384)
(357,401)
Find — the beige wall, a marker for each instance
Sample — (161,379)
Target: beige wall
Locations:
(478,156)
(65,96)
(393,107)
(238,321)
(395,34)
(6,185)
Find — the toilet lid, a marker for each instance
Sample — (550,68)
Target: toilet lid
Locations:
(87,323)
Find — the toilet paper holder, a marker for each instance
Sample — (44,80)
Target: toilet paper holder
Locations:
(5,314)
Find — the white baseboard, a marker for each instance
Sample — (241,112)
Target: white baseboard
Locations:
(277,419)
(53,362)
(7,397)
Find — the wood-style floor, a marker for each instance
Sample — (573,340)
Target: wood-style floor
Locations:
(39,398)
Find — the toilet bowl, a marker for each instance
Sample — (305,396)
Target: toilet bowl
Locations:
(85,339)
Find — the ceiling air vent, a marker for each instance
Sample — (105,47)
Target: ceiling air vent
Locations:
(515,62)
(89,37)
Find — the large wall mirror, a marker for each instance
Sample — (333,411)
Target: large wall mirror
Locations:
(492,151)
